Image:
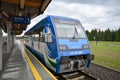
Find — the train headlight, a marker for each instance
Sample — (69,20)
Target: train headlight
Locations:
(63,47)
(85,46)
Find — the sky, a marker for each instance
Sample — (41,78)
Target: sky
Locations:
(99,14)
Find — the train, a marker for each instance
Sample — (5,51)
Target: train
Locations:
(60,43)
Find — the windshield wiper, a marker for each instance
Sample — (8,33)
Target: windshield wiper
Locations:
(75,33)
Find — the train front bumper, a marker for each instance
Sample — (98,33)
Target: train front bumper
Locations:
(73,63)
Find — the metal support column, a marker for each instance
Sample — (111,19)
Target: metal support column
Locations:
(39,36)
(32,40)
(8,36)
(12,39)
(1,44)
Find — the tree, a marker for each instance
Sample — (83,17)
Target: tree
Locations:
(88,34)
(118,35)
(107,35)
(113,35)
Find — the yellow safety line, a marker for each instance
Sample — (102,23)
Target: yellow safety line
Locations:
(44,67)
(34,71)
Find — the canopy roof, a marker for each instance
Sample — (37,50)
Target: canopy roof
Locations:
(31,8)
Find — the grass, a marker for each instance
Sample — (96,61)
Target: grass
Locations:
(107,54)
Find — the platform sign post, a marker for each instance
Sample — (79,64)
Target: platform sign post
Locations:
(1,41)
(8,36)
(20,19)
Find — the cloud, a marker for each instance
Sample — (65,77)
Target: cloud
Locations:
(100,14)
(93,2)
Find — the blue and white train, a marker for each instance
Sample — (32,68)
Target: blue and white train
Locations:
(60,43)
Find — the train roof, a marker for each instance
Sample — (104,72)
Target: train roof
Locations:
(36,28)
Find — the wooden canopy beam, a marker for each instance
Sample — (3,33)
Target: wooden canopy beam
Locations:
(44,6)
(30,8)
(5,14)
(27,3)
(22,4)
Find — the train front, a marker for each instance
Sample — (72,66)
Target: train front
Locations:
(74,49)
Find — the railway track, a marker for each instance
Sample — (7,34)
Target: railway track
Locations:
(76,75)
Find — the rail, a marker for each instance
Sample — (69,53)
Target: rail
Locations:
(76,75)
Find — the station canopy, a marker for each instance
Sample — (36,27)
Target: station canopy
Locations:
(29,8)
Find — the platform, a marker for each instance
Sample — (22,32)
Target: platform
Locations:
(23,65)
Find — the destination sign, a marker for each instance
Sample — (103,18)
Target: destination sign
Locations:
(20,19)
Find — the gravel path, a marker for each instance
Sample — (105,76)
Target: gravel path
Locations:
(103,73)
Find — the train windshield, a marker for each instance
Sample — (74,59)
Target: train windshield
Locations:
(67,29)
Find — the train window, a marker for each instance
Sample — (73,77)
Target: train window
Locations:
(40,37)
(43,37)
(69,30)
(47,35)
(36,37)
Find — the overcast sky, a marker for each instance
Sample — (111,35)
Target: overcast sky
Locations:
(92,14)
